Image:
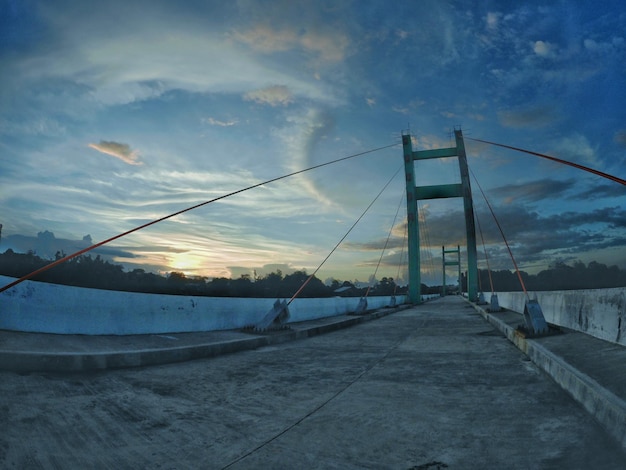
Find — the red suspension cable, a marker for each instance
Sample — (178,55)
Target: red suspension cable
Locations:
(519,275)
(554,159)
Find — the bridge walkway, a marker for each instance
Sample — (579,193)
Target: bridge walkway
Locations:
(433,386)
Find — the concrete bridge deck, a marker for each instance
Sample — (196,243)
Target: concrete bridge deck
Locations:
(433,386)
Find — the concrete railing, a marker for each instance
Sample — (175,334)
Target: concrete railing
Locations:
(597,312)
(50,308)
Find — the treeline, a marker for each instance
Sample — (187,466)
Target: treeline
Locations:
(85,271)
(559,276)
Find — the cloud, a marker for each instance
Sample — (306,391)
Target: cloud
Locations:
(576,147)
(402,34)
(46,245)
(277,95)
(216,122)
(266,39)
(401,110)
(493,19)
(601,191)
(118,150)
(329,45)
(154,57)
(533,191)
(308,130)
(544,49)
(37,126)
(603,47)
(620,137)
(534,237)
(375,245)
(528,116)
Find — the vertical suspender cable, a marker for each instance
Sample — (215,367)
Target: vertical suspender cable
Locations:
(519,275)
(485,250)
(425,235)
(401,258)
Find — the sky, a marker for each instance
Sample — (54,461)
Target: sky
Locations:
(116,113)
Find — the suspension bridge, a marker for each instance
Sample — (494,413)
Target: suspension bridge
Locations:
(411,384)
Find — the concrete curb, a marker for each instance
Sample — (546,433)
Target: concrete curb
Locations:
(607,408)
(25,361)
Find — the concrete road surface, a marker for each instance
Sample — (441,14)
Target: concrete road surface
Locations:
(431,387)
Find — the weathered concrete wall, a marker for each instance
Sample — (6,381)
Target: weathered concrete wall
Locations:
(597,312)
(49,308)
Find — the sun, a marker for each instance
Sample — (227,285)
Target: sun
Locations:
(188,263)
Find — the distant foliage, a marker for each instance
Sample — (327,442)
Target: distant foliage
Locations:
(559,276)
(85,271)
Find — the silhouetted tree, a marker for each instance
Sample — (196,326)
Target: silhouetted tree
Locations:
(95,272)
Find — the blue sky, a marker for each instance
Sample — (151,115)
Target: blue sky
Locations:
(116,113)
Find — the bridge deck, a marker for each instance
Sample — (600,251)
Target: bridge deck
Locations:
(427,387)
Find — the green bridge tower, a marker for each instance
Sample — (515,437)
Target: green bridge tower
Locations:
(416,193)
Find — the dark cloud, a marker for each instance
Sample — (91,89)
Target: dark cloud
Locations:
(601,191)
(613,217)
(533,237)
(533,191)
(374,245)
(46,245)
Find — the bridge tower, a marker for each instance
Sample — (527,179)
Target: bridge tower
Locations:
(454,262)
(416,193)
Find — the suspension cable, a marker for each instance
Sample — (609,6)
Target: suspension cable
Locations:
(386,241)
(224,196)
(480,230)
(342,238)
(401,262)
(554,159)
(519,275)
(425,235)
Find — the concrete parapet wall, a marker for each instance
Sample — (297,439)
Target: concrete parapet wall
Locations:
(597,312)
(40,307)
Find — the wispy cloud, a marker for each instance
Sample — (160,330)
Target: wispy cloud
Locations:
(576,147)
(493,20)
(217,122)
(306,132)
(538,115)
(277,95)
(118,150)
(132,67)
(533,191)
(329,45)
(620,137)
